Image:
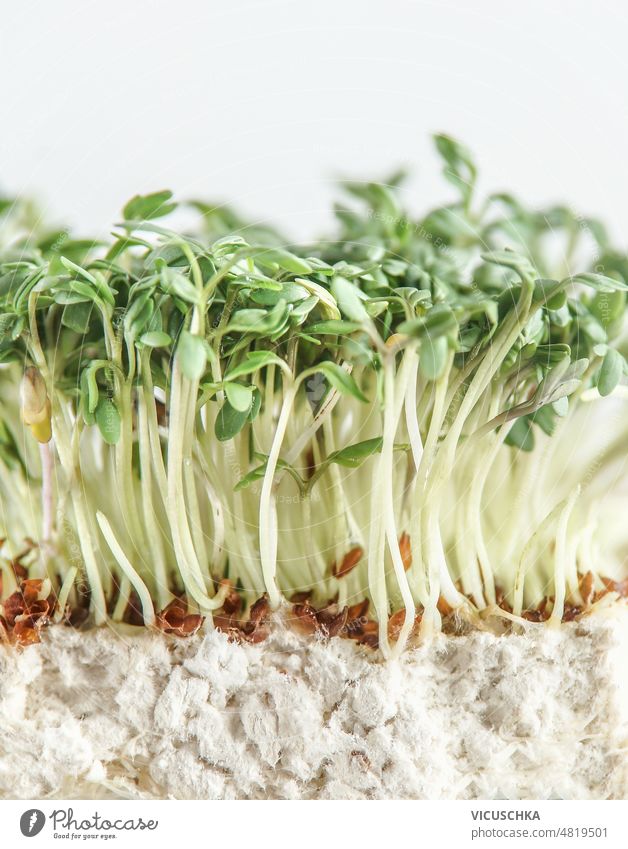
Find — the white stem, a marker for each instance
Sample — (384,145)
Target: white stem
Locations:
(148,612)
(64,592)
(268,507)
(388,441)
(559,559)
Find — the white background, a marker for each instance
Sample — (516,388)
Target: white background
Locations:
(265,103)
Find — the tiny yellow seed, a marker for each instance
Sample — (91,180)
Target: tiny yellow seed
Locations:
(42,431)
(35,404)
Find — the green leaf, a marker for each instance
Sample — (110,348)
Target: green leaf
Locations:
(192,353)
(138,314)
(254,361)
(511,259)
(550,293)
(146,207)
(354,455)
(91,385)
(108,420)
(349,300)
(83,290)
(66,298)
(95,281)
(460,168)
(256,474)
(340,380)
(599,282)
(545,417)
(229,422)
(178,284)
(260,322)
(433,357)
(288,291)
(256,405)
(439,321)
(77,269)
(560,381)
(77,316)
(610,372)
(285,260)
(259,471)
(333,327)
(258,284)
(89,402)
(552,355)
(608,306)
(155,339)
(521,435)
(239,396)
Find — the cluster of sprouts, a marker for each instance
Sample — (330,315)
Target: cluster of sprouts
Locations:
(425,414)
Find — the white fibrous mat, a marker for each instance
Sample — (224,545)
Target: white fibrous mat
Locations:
(98,714)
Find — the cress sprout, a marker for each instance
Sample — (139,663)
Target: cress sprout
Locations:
(415,421)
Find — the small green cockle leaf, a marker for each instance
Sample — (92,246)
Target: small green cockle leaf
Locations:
(600,282)
(89,395)
(91,386)
(354,455)
(438,321)
(301,310)
(260,322)
(63,297)
(259,285)
(333,327)
(551,293)
(155,339)
(433,357)
(77,316)
(284,260)
(521,435)
(259,471)
(254,361)
(192,353)
(607,307)
(340,379)
(239,396)
(229,422)
(178,284)
(459,168)
(560,381)
(256,405)
(84,291)
(610,372)
(108,420)
(545,418)
(288,291)
(552,355)
(138,314)
(350,300)
(511,259)
(147,207)
(91,285)
(254,475)
(77,269)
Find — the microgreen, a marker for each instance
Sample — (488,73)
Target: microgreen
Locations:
(419,412)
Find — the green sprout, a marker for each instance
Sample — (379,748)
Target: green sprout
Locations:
(421,417)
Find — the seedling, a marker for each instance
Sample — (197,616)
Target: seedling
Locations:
(415,423)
